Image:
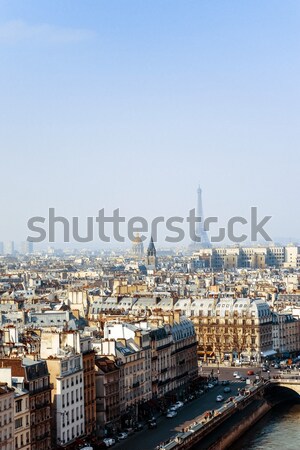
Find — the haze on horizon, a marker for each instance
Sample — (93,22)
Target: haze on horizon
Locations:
(131,105)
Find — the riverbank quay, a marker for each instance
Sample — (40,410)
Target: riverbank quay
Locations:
(218,429)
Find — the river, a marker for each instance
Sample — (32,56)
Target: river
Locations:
(279,429)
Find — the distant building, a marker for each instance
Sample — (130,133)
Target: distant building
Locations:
(137,249)
(9,248)
(151,256)
(26,247)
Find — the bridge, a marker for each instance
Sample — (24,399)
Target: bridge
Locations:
(283,388)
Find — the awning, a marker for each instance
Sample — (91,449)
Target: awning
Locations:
(268,353)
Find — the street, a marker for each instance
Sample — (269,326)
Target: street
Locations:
(149,439)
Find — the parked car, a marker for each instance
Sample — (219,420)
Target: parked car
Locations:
(152,423)
(129,431)
(178,405)
(171,414)
(121,436)
(235,373)
(219,398)
(227,389)
(109,442)
(138,427)
(210,386)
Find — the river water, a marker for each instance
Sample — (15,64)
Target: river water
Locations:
(279,429)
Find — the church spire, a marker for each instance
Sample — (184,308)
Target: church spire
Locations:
(151,254)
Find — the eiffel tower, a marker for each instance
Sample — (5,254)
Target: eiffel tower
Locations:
(200,231)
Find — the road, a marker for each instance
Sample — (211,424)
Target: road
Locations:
(149,439)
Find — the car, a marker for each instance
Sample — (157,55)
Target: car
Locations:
(121,436)
(152,424)
(210,385)
(171,414)
(227,389)
(238,376)
(129,431)
(250,373)
(178,405)
(138,427)
(109,442)
(235,373)
(219,398)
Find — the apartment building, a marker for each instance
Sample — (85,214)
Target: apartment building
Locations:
(6,417)
(184,352)
(130,349)
(230,329)
(88,361)
(34,376)
(62,350)
(285,333)
(66,375)
(21,416)
(108,394)
(22,433)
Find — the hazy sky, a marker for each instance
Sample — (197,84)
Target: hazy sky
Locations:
(131,104)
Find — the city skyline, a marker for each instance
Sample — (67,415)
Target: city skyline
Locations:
(110,106)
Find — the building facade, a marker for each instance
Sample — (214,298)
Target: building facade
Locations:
(6,417)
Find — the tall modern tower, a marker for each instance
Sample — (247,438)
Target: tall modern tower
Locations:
(200,231)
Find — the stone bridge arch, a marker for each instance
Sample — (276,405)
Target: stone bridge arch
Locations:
(281,390)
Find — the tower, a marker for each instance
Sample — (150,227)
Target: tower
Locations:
(200,231)
(151,254)
(137,247)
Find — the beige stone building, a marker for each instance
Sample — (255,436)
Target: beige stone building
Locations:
(231,329)
(35,376)
(6,417)
(22,420)
(286,333)
(21,411)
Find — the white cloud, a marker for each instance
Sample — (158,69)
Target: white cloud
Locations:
(20,31)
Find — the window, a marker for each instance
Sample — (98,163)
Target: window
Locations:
(19,422)
(18,406)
